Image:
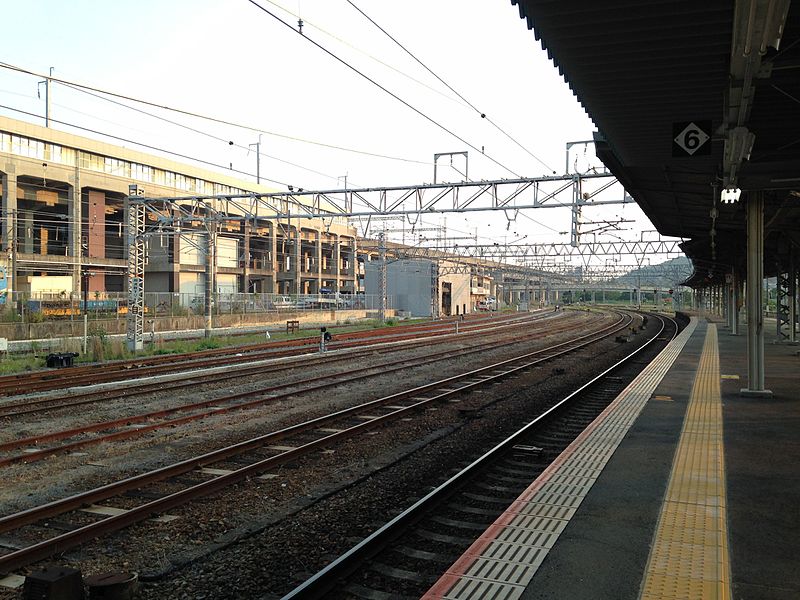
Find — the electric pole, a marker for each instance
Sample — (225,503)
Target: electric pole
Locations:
(47,81)
(258,158)
(12,239)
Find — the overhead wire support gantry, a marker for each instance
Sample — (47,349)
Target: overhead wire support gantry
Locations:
(427,198)
(531,251)
(168,214)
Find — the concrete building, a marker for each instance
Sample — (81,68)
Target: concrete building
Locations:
(63,225)
(414,285)
(455,289)
(461,282)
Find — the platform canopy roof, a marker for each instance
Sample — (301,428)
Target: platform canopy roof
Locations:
(722,77)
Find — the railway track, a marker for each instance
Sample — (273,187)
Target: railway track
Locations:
(162,489)
(41,381)
(130,426)
(405,557)
(263,366)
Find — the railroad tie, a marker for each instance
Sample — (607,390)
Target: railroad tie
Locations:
(210,471)
(12,582)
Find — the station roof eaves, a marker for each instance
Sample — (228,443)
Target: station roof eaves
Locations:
(638,68)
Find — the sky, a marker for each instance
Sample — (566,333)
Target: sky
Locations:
(230,60)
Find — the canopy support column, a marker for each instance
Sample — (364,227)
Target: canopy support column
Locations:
(755,309)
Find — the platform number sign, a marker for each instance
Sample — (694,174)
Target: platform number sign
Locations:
(692,138)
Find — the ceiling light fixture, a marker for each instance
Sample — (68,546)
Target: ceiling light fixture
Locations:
(730,195)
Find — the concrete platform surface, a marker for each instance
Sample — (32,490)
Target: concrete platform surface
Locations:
(700,499)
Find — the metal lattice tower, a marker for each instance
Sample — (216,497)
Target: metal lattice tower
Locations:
(577,197)
(782,304)
(136,260)
(382,258)
(786,302)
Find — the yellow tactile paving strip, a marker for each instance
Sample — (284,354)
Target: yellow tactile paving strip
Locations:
(689,556)
(502,562)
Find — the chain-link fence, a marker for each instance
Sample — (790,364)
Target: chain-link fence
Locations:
(22,307)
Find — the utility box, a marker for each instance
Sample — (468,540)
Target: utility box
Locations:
(59,360)
(53,583)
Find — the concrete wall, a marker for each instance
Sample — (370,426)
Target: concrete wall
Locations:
(50,284)
(190,283)
(227,252)
(460,292)
(408,285)
(156,282)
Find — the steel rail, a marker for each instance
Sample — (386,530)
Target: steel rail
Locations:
(325,579)
(7,409)
(48,380)
(330,381)
(63,542)
(183,358)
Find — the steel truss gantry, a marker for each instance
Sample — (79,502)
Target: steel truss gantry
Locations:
(533,252)
(428,198)
(654,275)
(549,250)
(167,215)
(457,262)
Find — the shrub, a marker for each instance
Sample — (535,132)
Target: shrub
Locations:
(36,317)
(208,344)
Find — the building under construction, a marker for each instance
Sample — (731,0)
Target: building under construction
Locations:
(64,228)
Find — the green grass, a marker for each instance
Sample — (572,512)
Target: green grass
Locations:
(115,349)
(19,364)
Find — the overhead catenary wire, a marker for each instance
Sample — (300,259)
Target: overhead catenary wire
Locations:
(143,145)
(540,223)
(242,146)
(252,128)
(200,160)
(204,161)
(307,23)
(63,221)
(384,89)
(227,142)
(449,87)
(199,132)
(60,189)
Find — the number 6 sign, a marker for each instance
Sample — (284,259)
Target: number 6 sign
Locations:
(691,138)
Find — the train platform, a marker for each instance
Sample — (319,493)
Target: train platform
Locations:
(682,488)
